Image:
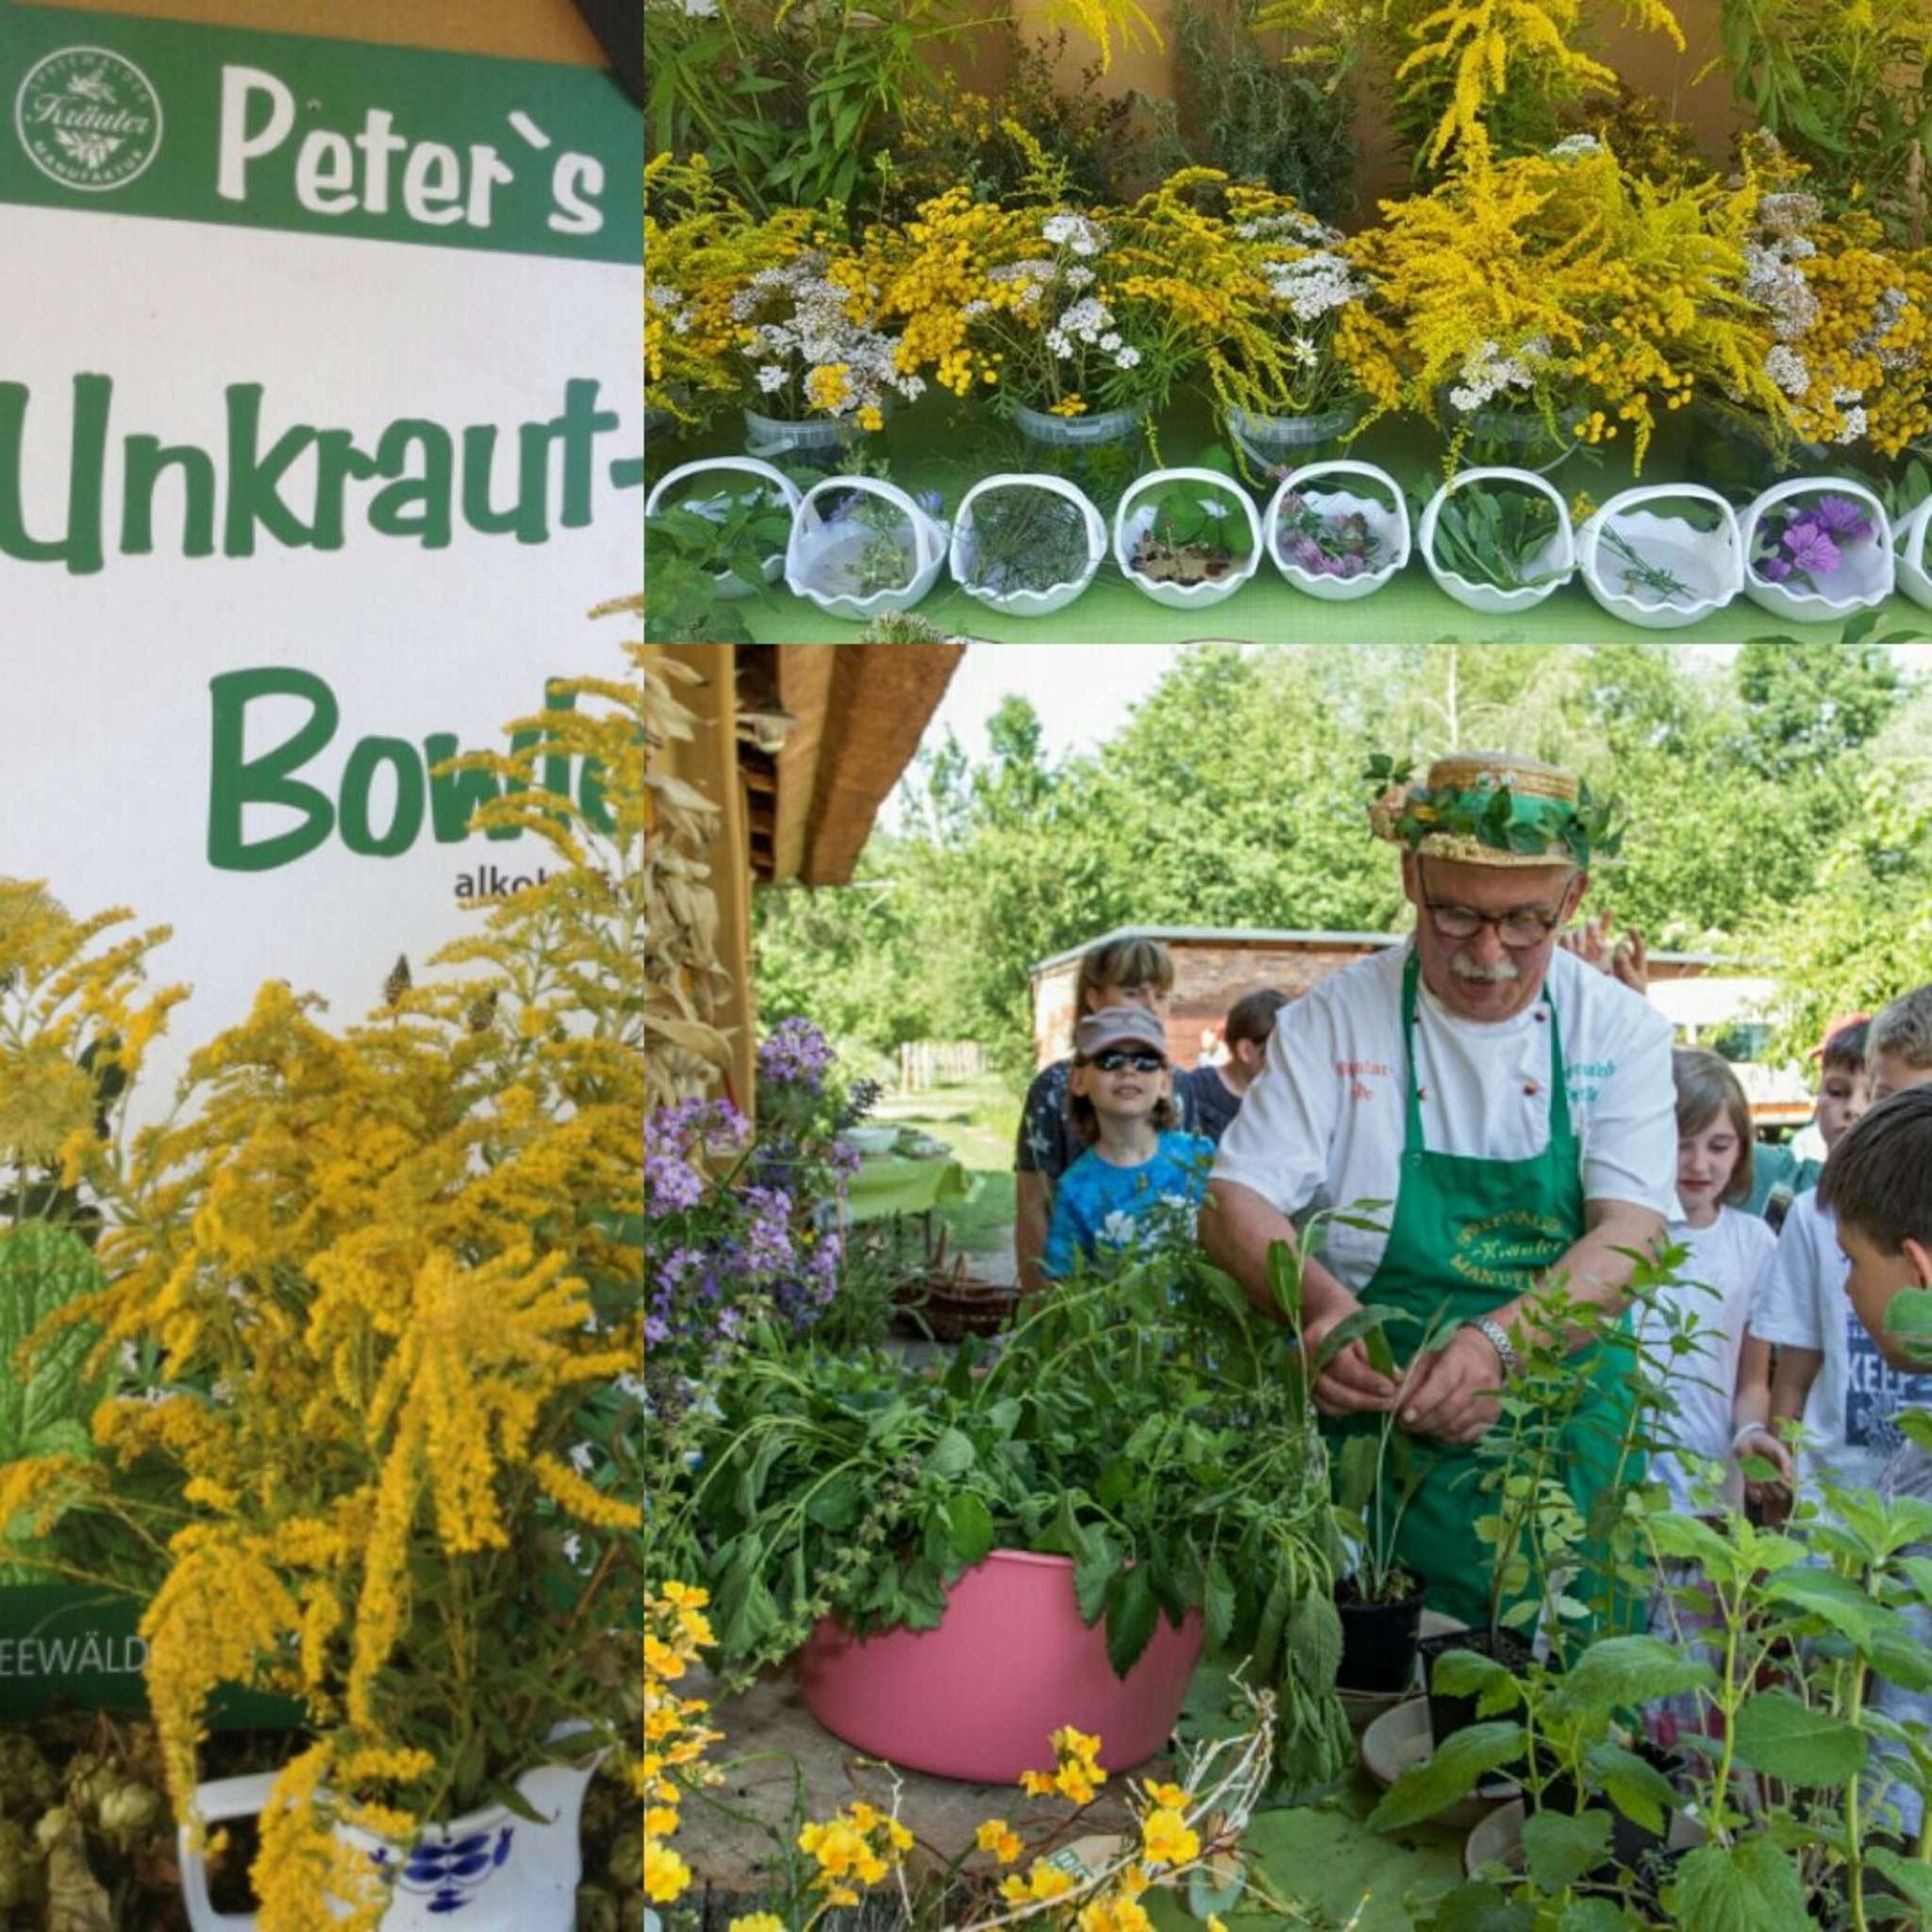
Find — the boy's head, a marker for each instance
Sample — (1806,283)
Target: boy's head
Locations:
(1713,1130)
(1898,1047)
(1128,971)
(1844,1090)
(1250,1021)
(1120,1069)
(1877,1184)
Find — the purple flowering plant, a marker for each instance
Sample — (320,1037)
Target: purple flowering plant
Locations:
(1809,541)
(741,1226)
(1324,543)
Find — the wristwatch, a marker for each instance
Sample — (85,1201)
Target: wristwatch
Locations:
(1498,1339)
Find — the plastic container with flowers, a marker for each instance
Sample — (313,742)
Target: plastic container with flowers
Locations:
(702,245)
(1846,328)
(1036,302)
(820,371)
(1264,285)
(371,1295)
(1533,304)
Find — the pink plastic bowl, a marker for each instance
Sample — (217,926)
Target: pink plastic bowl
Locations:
(1009,1663)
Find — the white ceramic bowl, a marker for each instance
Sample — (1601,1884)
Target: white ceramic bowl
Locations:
(1863,581)
(1558,555)
(1024,603)
(819,550)
(1912,546)
(773,481)
(1130,523)
(1709,563)
(1390,525)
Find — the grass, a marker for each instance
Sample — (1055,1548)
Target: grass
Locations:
(977,1120)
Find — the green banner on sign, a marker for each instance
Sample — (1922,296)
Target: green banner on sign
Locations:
(110,114)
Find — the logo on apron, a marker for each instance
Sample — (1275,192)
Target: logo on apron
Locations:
(1495,1251)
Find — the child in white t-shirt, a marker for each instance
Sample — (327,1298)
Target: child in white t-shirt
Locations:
(1729,1251)
(1831,1371)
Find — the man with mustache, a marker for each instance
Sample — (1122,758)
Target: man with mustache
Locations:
(1512,1105)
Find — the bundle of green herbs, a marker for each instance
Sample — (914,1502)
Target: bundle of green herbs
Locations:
(1027,538)
(1495,534)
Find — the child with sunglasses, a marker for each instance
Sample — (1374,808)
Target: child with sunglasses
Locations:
(1138,1181)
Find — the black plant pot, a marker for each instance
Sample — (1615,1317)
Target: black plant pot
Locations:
(1378,1640)
(1448,1715)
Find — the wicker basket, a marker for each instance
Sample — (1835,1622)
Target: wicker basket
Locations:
(950,1308)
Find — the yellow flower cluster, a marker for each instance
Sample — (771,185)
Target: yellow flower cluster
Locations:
(675,1740)
(859,1846)
(1620,296)
(1076,1773)
(396,1254)
(702,245)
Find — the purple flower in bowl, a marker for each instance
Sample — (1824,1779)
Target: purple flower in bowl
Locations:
(1774,567)
(1811,550)
(1842,518)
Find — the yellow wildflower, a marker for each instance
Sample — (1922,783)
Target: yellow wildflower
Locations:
(997,1837)
(1042,1882)
(666,1876)
(1167,1839)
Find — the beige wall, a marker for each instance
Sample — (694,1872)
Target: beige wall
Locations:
(516,29)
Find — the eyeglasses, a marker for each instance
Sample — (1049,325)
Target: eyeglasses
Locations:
(1520,930)
(1115,1061)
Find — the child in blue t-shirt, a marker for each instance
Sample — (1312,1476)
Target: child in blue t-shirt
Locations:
(1137,1181)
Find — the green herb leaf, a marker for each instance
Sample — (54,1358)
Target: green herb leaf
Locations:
(951,1454)
(1753,1886)
(1558,1848)
(1453,1770)
(1131,1614)
(972,1523)
(1777,1734)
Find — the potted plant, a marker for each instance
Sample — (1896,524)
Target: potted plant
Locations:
(1026,545)
(889,1529)
(1817,548)
(1497,539)
(860,546)
(734,534)
(1187,537)
(821,369)
(1379,1602)
(370,1294)
(1662,555)
(1333,538)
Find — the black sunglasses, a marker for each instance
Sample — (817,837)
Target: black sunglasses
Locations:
(1116,1060)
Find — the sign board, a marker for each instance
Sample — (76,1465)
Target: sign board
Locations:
(319,434)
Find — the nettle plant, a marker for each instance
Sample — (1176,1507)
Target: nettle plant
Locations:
(1134,1423)
(373,1293)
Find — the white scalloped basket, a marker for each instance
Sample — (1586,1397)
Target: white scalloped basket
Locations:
(963,559)
(1133,518)
(1323,487)
(1912,548)
(1708,565)
(834,538)
(716,503)
(1867,573)
(1558,555)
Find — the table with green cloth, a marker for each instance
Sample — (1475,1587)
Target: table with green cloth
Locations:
(941,444)
(903,1184)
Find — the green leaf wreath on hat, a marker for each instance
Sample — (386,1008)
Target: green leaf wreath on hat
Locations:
(1491,809)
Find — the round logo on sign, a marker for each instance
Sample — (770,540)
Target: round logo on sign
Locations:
(87,119)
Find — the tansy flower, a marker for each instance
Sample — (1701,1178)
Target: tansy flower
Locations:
(1167,1839)
(997,1837)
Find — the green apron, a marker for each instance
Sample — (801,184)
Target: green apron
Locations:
(1467,1236)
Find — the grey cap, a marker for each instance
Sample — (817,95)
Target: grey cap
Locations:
(1119,1026)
